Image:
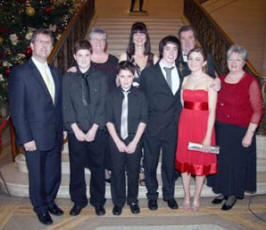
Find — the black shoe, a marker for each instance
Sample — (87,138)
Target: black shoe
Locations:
(45,218)
(172,204)
(117,210)
(230,202)
(134,208)
(218,200)
(99,210)
(76,210)
(55,210)
(152,205)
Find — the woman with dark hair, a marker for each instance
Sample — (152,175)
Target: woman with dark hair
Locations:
(139,53)
(239,110)
(139,50)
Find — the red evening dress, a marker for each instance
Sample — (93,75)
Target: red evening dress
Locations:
(192,128)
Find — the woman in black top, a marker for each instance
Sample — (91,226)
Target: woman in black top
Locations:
(139,50)
(106,63)
(100,59)
(139,53)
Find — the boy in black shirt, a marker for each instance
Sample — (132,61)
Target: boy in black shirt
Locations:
(126,122)
(84,99)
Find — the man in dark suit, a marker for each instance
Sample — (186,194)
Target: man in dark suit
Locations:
(35,99)
(188,39)
(161,84)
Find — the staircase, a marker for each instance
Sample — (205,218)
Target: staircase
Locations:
(213,5)
(118,32)
(244,22)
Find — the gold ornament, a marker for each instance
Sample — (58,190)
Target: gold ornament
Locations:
(30,11)
(1,40)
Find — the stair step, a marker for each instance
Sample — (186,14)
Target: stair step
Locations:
(213,5)
(21,165)
(118,30)
(261,158)
(139,19)
(18,185)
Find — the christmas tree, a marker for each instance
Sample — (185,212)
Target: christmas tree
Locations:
(18,20)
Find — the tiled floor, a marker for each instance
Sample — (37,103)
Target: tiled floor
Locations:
(17,214)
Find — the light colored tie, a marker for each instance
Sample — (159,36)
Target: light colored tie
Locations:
(124,117)
(48,83)
(168,72)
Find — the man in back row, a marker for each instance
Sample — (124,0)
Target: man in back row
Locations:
(188,38)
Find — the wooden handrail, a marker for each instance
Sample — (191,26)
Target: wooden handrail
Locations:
(207,28)
(61,55)
(215,41)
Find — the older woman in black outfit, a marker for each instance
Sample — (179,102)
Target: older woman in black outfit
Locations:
(238,113)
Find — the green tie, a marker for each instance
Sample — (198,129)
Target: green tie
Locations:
(48,82)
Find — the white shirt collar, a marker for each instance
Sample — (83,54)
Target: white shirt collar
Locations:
(163,64)
(38,63)
(184,56)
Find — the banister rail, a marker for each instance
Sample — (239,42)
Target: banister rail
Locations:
(61,55)
(215,41)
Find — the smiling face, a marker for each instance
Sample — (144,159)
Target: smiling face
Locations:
(170,52)
(196,61)
(139,38)
(98,42)
(83,59)
(188,41)
(125,78)
(235,63)
(41,47)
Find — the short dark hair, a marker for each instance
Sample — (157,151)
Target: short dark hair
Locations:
(168,39)
(82,45)
(42,31)
(188,28)
(126,65)
(198,50)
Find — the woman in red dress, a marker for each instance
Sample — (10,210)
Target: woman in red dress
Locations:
(196,124)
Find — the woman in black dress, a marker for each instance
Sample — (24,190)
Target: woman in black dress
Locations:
(139,53)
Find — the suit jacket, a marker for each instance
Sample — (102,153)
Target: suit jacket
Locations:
(183,66)
(33,113)
(137,109)
(84,99)
(163,106)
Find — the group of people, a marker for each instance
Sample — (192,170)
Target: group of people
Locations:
(123,116)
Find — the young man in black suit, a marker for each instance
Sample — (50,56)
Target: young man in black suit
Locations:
(161,84)
(126,122)
(35,100)
(84,96)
